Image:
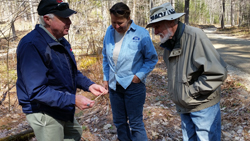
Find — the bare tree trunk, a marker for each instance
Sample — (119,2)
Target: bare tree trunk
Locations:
(248,16)
(31,14)
(173,3)
(133,10)
(232,12)
(13,30)
(105,21)
(7,66)
(187,12)
(128,2)
(223,14)
(96,11)
(211,9)
(240,12)
(151,6)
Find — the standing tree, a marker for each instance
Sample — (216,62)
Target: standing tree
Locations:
(151,6)
(173,3)
(32,14)
(133,11)
(187,12)
(240,12)
(232,12)
(223,14)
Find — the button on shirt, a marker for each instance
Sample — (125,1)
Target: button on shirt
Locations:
(137,56)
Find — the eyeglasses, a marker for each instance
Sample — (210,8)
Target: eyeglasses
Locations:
(120,12)
(62,6)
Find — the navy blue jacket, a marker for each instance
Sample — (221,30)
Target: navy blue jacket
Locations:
(48,76)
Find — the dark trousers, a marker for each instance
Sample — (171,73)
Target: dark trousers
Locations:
(127,108)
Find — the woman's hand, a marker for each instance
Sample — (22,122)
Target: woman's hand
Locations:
(106,85)
(136,79)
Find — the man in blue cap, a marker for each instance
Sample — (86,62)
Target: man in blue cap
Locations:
(48,76)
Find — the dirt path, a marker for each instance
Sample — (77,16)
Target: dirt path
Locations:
(234,51)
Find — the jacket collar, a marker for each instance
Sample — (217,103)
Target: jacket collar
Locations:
(51,42)
(175,41)
(41,26)
(46,36)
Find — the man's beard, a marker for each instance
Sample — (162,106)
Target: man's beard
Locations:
(165,37)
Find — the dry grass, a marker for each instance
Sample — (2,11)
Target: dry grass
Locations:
(202,26)
(241,32)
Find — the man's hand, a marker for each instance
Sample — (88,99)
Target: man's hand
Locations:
(136,79)
(83,103)
(97,89)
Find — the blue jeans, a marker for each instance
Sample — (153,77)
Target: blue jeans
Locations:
(203,125)
(127,105)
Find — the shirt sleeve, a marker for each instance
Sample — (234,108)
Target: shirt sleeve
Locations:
(82,81)
(105,62)
(212,67)
(33,74)
(150,57)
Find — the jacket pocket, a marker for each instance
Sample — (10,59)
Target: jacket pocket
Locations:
(186,100)
(40,118)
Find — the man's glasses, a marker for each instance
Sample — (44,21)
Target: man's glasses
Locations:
(120,12)
(62,6)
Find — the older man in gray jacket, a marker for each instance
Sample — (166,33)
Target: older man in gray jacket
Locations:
(195,74)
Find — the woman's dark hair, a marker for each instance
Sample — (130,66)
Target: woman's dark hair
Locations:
(120,10)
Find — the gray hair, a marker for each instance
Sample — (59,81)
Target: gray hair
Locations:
(51,16)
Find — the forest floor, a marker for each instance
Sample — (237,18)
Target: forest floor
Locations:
(162,123)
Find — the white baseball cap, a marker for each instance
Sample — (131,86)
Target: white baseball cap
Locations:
(163,12)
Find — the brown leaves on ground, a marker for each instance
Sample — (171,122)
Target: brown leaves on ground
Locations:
(235,107)
(161,120)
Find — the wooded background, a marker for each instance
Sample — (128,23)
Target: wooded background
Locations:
(18,17)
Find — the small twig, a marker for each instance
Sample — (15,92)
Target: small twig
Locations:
(5,93)
(98,97)
(89,114)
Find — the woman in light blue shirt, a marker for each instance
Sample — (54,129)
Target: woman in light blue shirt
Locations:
(128,57)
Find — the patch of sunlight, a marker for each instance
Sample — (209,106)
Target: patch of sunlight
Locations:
(87,61)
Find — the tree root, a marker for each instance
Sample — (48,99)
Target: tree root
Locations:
(22,136)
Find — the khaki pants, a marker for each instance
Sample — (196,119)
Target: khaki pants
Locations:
(46,128)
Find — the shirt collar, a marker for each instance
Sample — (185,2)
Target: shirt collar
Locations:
(177,32)
(132,26)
